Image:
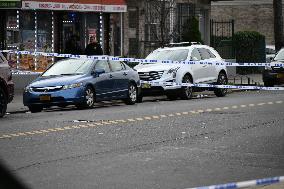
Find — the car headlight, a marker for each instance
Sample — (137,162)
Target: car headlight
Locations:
(28,89)
(268,68)
(73,85)
(173,71)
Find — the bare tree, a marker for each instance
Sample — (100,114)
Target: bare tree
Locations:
(278,24)
(158,19)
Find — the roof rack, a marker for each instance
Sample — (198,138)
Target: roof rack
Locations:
(182,44)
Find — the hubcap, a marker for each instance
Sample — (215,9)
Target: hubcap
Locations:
(188,90)
(132,93)
(223,81)
(89,97)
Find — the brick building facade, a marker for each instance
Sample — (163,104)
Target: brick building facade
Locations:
(249,15)
(141,29)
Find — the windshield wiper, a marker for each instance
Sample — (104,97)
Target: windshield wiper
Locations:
(72,74)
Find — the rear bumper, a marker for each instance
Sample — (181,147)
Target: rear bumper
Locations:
(10,91)
(272,76)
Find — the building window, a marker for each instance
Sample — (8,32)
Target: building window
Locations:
(184,12)
(133,18)
(133,46)
(27,39)
(12,37)
(44,39)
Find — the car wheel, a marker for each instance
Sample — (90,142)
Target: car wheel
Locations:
(89,98)
(268,83)
(3,102)
(131,94)
(222,80)
(186,92)
(35,109)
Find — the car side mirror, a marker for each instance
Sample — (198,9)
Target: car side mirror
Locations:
(98,72)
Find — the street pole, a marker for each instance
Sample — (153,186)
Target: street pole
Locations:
(278,24)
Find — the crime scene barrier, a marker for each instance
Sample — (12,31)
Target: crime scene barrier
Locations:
(250,183)
(139,60)
(212,86)
(165,62)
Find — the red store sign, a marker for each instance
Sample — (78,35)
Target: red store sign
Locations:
(77,5)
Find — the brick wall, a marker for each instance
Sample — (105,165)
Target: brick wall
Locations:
(250,17)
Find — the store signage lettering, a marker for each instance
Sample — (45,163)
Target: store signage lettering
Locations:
(72,6)
(10,3)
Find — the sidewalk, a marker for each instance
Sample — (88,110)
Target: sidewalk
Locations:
(250,79)
(17,104)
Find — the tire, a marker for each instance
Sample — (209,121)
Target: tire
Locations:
(3,103)
(222,80)
(268,84)
(131,94)
(35,109)
(186,92)
(89,99)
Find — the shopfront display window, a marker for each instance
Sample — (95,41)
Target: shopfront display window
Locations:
(27,39)
(92,26)
(115,34)
(12,36)
(44,39)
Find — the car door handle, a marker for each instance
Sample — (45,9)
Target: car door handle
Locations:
(204,66)
(110,76)
(125,74)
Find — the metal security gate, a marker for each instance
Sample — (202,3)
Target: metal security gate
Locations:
(221,35)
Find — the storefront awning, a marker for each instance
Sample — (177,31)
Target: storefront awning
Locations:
(77,5)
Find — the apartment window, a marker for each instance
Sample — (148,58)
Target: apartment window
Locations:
(133,18)
(133,46)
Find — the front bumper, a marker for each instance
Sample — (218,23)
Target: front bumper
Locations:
(273,76)
(62,97)
(148,89)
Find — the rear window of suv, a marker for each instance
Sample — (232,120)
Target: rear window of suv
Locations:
(169,54)
(204,53)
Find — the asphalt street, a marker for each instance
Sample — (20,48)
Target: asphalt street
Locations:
(154,144)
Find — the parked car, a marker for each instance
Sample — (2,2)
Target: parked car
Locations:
(182,73)
(82,82)
(273,75)
(6,85)
(270,52)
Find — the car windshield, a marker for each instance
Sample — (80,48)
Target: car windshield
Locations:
(69,67)
(174,55)
(280,55)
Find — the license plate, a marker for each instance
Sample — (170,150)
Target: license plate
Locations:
(44,98)
(146,85)
(280,75)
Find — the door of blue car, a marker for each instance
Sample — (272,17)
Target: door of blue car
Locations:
(104,85)
(121,78)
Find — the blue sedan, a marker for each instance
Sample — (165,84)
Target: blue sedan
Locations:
(82,82)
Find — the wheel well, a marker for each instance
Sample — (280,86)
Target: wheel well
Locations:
(190,76)
(133,82)
(90,85)
(224,72)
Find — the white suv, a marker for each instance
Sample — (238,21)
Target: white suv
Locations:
(182,73)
